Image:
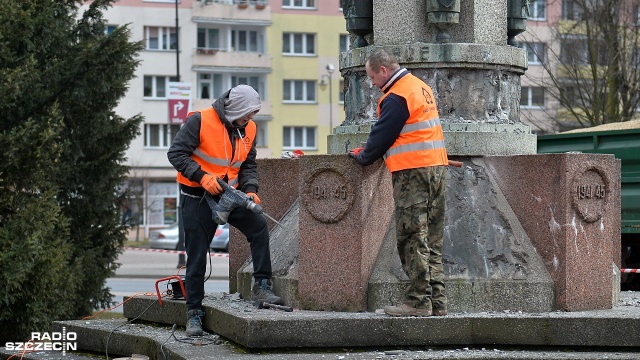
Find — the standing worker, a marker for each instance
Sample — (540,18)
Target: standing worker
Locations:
(409,136)
(219,142)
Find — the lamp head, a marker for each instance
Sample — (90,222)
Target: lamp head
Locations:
(330,68)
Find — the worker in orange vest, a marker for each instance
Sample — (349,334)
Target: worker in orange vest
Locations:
(219,142)
(409,136)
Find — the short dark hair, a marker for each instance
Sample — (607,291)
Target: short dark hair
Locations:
(381,57)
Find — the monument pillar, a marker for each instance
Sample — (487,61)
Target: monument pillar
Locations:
(475,78)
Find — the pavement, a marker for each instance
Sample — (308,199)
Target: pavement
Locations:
(141,262)
(237,330)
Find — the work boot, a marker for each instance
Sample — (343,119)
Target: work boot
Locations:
(263,291)
(194,322)
(439,310)
(406,310)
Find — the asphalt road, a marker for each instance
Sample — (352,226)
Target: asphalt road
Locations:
(140,269)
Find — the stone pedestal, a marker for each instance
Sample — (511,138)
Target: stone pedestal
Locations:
(569,204)
(324,255)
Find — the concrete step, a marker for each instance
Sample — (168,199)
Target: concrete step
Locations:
(238,330)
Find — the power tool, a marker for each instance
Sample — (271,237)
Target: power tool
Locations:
(231,199)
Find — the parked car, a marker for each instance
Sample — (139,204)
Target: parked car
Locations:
(168,238)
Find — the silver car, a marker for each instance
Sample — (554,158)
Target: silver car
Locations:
(168,238)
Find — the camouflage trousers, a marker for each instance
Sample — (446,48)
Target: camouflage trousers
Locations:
(419,196)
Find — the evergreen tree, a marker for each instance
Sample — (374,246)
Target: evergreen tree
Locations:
(62,159)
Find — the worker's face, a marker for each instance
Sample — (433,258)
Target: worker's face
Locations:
(242,122)
(378,78)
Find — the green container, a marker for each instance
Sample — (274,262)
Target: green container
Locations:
(624,145)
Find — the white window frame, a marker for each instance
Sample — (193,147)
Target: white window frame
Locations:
(344,39)
(529,98)
(162,38)
(305,144)
(209,42)
(537,10)
(299,4)
(214,82)
(235,39)
(162,205)
(262,133)
(536,52)
(290,38)
(307,85)
(157,93)
(163,136)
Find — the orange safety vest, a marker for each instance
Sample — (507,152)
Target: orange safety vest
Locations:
(421,141)
(214,151)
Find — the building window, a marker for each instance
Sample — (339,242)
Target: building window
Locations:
(298,44)
(253,81)
(244,40)
(299,4)
(156,86)
(344,43)
(159,135)
(110,29)
(296,137)
(531,97)
(159,38)
(537,9)
(574,10)
(341,91)
(261,134)
(303,91)
(209,86)
(536,52)
(577,50)
(162,205)
(208,38)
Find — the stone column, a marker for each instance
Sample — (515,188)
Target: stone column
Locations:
(475,78)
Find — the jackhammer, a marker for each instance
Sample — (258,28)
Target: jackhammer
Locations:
(231,199)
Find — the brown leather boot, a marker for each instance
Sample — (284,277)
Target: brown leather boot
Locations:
(406,310)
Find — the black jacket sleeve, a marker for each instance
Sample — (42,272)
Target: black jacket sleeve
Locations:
(393,115)
(184,144)
(248,174)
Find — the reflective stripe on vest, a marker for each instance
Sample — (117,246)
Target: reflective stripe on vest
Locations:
(421,141)
(214,152)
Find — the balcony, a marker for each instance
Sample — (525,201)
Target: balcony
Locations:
(229,11)
(216,58)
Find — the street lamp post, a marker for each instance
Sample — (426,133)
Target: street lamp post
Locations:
(330,70)
(177,46)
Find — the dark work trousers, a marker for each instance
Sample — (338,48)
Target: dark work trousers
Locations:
(199,229)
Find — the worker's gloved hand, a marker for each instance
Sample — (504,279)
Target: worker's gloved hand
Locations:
(354,153)
(255,197)
(210,183)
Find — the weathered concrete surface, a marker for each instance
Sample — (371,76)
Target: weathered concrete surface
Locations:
(240,322)
(590,335)
(489,261)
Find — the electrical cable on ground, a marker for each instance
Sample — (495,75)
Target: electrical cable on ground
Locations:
(106,350)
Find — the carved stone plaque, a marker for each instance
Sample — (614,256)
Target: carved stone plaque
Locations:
(589,194)
(328,196)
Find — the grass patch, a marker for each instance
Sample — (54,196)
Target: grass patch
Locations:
(140,243)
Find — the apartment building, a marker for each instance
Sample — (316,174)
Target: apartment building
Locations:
(555,39)
(286,49)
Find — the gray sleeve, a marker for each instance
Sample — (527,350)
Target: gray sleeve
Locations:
(184,144)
